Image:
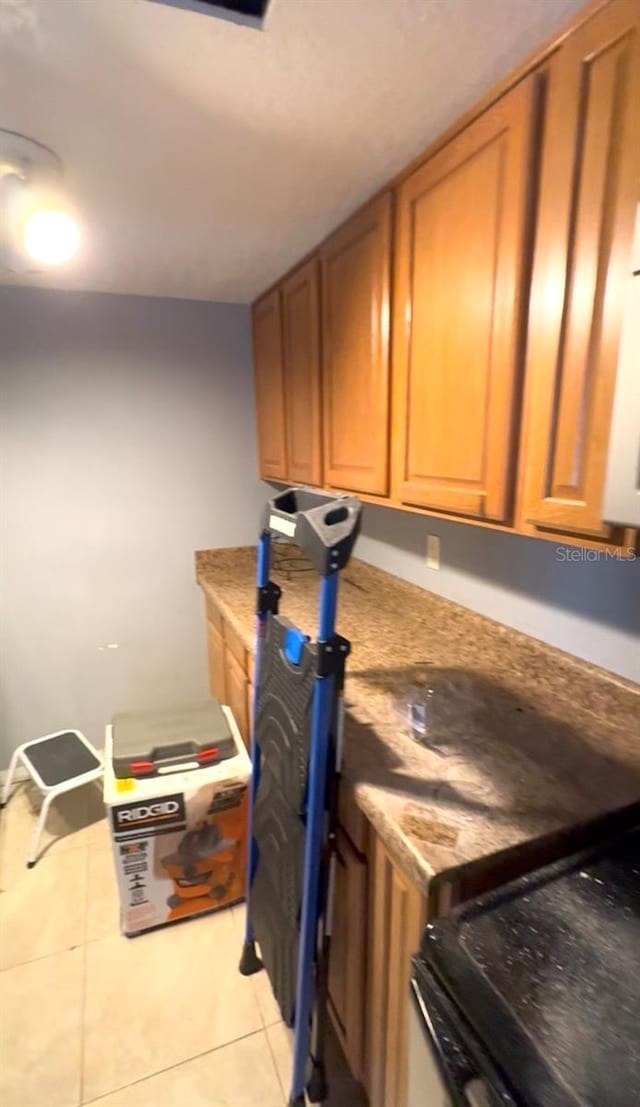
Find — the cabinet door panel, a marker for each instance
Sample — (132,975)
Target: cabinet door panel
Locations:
(250,696)
(215,650)
(405,931)
(269,382)
(378,978)
(590,186)
(235,645)
(459,297)
(347,964)
(301,340)
(355,342)
(236,684)
(397,915)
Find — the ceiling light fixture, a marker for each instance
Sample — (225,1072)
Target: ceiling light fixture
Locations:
(51,237)
(36,227)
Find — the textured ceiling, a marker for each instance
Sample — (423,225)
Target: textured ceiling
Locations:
(204,157)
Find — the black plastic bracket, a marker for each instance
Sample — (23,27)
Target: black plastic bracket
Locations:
(332,657)
(324,525)
(268,598)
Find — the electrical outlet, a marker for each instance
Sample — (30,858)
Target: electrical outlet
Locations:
(433,551)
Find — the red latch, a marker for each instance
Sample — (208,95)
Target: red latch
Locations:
(207,755)
(141,767)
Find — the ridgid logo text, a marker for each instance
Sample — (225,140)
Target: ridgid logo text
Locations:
(150,811)
(149,816)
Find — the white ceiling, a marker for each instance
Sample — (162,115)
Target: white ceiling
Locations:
(205,157)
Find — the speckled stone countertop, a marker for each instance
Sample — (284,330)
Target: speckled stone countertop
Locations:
(527,740)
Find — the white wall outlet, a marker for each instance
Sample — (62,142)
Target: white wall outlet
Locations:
(433,551)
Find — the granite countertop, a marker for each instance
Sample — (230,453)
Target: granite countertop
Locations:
(528,740)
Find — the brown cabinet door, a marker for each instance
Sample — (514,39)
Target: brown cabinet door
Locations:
(347,964)
(215,650)
(301,342)
(355,351)
(235,645)
(589,189)
(269,381)
(459,296)
(406,923)
(397,916)
(236,683)
(250,693)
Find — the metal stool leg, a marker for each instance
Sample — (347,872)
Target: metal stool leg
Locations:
(10,775)
(42,818)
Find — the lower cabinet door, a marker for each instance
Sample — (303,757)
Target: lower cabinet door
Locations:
(348,960)
(397,916)
(250,698)
(215,649)
(236,681)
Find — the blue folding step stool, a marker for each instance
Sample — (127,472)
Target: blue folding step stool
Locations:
(296,762)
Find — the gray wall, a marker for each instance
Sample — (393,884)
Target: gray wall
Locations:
(591,608)
(126,442)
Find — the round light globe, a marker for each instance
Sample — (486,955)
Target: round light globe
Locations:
(51,237)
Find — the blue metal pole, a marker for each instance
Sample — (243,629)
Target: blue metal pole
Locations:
(318,766)
(328,604)
(262,579)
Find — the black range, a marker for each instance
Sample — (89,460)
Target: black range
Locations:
(530,996)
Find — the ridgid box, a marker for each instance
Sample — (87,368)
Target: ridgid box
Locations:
(178,827)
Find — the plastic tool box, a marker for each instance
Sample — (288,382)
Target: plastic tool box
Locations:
(296,762)
(152,743)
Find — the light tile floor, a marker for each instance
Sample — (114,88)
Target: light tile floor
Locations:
(88,1016)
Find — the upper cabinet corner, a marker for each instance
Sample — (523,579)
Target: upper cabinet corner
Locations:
(269,383)
(356,266)
(301,352)
(589,190)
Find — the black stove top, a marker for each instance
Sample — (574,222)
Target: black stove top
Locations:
(545,974)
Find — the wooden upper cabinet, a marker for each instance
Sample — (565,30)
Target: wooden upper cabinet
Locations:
(269,381)
(589,189)
(462,227)
(301,343)
(356,263)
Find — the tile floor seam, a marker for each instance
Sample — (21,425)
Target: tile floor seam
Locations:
(43,957)
(185,1061)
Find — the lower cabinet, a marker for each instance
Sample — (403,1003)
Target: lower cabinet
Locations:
(237,694)
(397,917)
(348,961)
(215,650)
(378,919)
(229,669)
